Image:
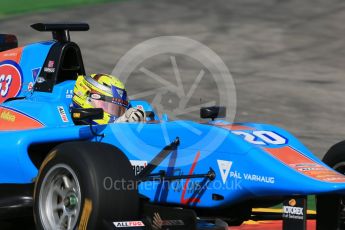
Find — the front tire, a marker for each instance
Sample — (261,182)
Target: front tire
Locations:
(330,207)
(70,191)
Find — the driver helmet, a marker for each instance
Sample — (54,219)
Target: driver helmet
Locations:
(101,91)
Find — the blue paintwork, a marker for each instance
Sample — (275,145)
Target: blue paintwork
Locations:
(32,59)
(203,144)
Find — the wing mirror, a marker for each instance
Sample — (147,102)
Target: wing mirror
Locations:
(213,112)
(86,115)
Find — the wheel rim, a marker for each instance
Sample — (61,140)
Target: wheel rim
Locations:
(60,198)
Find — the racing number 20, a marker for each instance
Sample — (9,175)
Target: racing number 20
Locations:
(262,137)
(5,83)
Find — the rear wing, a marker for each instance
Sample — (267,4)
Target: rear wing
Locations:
(60,31)
(64,60)
(39,66)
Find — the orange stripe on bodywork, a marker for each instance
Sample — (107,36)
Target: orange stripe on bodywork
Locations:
(233,126)
(236,127)
(13,120)
(13,55)
(305,165)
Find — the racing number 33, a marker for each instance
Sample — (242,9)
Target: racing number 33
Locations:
(5,83)
(262,137)
(10,80)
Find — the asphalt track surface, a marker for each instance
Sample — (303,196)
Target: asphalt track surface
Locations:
(286,56)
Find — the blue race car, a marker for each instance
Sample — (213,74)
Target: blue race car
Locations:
(78,175)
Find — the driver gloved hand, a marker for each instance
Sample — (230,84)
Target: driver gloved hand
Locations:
(132,115)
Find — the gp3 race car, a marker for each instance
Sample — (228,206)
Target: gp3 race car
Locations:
(73,174)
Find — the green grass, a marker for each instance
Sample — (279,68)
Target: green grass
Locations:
(14,7)
(311,203)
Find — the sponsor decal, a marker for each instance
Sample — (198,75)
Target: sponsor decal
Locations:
(51,64)
(292,202)
(294,209)
(35,73)
(62,113)
(224,168)
(12,55)
(128,224)
(96,96)
(304,165)
(310,169)
(258,178)
(301,165)
(40,80)
(140,107)
(11,119)
(225,172)
(49,70)
(30,86)
(138,166)
(307,167)
(10,80)
(69,93)
(293,212)
(120,92)
(7,116)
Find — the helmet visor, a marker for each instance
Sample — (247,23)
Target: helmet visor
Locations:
(108,107)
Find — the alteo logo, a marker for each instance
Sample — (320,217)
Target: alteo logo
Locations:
(129,224)
(10,80)
(5,115)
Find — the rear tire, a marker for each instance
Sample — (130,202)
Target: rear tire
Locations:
(76,188)
(331,208)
